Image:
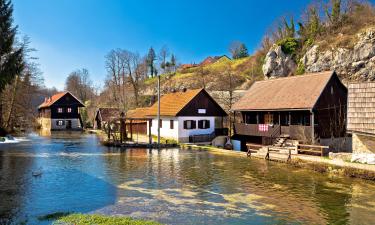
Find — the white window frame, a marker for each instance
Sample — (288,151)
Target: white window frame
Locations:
(69,110)
(60,110)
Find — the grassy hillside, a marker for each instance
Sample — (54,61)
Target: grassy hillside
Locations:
(243,70)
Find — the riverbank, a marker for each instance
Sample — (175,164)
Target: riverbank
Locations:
(315,163)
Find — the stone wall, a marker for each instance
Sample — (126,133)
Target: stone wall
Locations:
(363,144)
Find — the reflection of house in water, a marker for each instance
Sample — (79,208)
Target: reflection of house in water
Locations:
(60,112)
(361,116)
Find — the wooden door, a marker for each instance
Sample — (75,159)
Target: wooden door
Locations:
(268,118)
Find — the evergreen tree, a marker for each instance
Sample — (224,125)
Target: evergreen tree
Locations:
(151,57)
(335,15)
(11,58)
(173,62)
(240,51)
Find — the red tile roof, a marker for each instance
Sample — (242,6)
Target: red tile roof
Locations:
(51,100)
(171,104)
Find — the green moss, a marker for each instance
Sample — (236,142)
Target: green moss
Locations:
(82,219)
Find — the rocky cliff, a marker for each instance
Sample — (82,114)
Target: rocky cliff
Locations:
(355,62)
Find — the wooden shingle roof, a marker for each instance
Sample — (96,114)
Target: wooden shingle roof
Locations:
(361,107)
(171,104)
(296,92)
(107,114)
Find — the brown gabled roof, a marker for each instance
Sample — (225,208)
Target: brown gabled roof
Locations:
(107,114)
(296,92)
(54,98)
(171,104)
(138,113)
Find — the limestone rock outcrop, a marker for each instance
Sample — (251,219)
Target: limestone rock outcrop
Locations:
(278,64)
(357,63)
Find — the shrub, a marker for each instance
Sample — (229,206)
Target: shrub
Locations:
(289,45)
(300,68)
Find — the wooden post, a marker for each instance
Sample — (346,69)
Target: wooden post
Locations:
(149,131)
(131,130)
(290,119)
(257,118)
(312,128)
(279,119)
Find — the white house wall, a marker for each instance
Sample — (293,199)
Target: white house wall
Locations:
(165,130)
(179,133)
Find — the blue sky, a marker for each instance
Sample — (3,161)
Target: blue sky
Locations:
(73,34)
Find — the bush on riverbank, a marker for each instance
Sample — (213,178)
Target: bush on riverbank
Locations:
(82,219)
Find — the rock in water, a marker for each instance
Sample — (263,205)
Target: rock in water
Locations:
(278,64)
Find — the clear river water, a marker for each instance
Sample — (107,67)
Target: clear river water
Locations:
(172,186)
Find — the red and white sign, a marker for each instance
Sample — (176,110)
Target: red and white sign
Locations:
(263,127)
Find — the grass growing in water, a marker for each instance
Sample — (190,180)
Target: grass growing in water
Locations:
(82,219)
(53,216)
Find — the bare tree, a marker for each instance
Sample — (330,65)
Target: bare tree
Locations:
(163,55)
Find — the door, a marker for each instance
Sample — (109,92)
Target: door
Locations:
(68,124)
(268,118)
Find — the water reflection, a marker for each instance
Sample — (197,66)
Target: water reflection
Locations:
(172,186)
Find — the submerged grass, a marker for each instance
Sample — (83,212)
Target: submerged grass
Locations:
(84,219)
(53,216)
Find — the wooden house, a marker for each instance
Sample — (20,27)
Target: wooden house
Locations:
(136,120)
(305,107)
(105,115)
(60,112)
(361,116)
(187,116)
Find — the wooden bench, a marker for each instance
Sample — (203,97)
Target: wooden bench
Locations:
(252,148)
(277,150)
(312,148)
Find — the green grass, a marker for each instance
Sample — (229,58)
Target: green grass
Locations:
(83,219)
(53,216)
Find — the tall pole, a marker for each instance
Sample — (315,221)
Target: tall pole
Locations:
(158,112)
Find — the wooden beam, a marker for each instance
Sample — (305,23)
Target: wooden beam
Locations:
(149,131)
(312,127)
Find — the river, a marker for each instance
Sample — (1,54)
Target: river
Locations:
(171,186)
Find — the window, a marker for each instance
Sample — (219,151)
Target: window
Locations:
(203,124)
(161,123)
(171,125)
(59,110)
(189,124)
(60,123)
(69,110)
(201,111)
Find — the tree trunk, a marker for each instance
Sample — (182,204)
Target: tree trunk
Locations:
(11,106)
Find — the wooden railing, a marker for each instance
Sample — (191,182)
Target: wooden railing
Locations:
(316,149)
(253,130)
(294,131)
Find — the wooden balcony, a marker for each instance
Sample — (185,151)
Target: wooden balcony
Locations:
(294,131)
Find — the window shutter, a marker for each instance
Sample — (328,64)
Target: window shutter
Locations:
(207,124)
(171,124)
(185,124)
(193,124)
(200,124)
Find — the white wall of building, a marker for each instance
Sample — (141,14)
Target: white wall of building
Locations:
(179,133)
(165,130)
